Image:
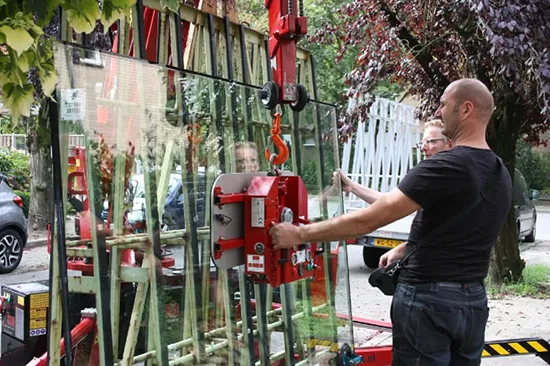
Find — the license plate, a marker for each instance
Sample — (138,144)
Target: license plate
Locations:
(386,243)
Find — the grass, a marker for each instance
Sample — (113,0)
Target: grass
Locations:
(535,282)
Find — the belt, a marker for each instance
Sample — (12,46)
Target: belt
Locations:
(459,284)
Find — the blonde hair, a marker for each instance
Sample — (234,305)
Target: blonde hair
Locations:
(246,144)
(433,123)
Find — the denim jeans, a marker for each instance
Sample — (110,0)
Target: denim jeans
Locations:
(436,324)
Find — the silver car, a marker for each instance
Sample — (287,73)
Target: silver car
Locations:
(13,228)
(526,212)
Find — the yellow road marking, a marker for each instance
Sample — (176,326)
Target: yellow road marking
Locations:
(518,347)
(499,349)
(537,346)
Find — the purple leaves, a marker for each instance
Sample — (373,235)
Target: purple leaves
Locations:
(424,45)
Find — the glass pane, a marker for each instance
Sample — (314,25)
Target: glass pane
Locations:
(142,148)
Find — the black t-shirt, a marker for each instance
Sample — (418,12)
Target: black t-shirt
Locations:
(446,185)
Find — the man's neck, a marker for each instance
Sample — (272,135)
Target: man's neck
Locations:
(471,138)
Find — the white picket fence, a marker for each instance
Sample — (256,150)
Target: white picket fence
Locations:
(382,149)
(18,142)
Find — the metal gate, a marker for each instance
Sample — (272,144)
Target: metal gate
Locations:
(383,149)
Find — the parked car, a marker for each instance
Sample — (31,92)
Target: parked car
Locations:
(526,212)
(173,215)
(13,228)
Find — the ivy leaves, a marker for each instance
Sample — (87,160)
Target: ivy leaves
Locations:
(26,52)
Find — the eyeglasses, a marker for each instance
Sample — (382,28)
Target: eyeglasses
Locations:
(429,142)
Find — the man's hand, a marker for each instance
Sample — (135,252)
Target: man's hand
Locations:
(347,184)
(390,207)
(392,256)
(285,235)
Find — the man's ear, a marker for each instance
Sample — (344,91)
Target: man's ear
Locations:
(467,108)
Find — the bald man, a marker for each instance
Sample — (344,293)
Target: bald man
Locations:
(463,195)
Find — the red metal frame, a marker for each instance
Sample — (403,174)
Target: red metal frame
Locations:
(375,356)
(285,29)
(81,330)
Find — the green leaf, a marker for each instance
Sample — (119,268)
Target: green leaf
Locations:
(173,5)
(35,31)
(45,51)
(18,39)
(11,72)
(2,3)
(25,60)
(79,22)
(53,5)
(18,99)
(121,4)
(111,16)
(83,18)
(48,83)
(114,10)
(48,78)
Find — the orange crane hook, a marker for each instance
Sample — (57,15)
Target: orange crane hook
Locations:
(278,142)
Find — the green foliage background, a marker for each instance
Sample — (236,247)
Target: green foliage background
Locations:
(330,74)
(15,166)
(535,166)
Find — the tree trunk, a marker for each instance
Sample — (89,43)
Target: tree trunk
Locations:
(41,200)
(506,263)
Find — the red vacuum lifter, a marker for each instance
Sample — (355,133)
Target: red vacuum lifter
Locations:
(286,27)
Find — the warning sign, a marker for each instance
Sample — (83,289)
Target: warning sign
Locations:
(37,323)
(37,314)
(39,301)
(73,104)
(21,300)
(255,263)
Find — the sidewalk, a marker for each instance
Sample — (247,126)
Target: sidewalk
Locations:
(40,239)
(518,317)
(521,317)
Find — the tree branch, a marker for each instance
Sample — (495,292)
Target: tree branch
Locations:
(423,57)
(468,33)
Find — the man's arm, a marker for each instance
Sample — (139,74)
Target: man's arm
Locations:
(366,194)
(390,207)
